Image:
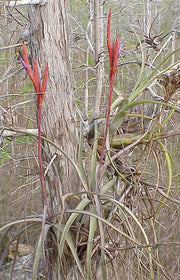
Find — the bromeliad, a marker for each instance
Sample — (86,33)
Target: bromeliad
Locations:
(114,52)
(40,89)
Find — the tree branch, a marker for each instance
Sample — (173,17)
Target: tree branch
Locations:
(10,131)
(26,2)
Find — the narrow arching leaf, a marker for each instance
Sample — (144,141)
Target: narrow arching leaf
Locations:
(119,117)
(83,212)
(81,205)
(147,81)
(92,230)
(169,167)
(36,76)
(80,160)
(44,81)
(71,245)
(108,186)
(93,159)
(126,209)
(38,251)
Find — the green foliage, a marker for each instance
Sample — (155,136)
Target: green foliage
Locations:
(90,61)
(28,88)
(4,155)
(5,152)
(24,139)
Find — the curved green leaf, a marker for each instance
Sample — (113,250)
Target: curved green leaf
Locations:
(169,167)
(38,251)
(130,213)
(92,230)
(93,164)
(71,245)
(69,222)
(80,160)
(108,186)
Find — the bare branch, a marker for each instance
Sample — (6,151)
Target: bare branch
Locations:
(11,75)
(26,2)
(10,132)
(85,33)
(12,46)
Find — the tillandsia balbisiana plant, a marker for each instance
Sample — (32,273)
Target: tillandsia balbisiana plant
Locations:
(40,89)
(114,50)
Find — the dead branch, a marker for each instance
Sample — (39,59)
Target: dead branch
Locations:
(11,132)
(25,2)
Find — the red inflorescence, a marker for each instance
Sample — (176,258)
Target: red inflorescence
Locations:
(34,76)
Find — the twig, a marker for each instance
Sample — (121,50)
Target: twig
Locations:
(12,46)
(11,75)
(159,190)
(85,33)
(49,165)
(138,63)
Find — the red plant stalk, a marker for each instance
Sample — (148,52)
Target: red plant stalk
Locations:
(113,51)
(40,90)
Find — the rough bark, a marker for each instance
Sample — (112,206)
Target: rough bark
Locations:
(49,43)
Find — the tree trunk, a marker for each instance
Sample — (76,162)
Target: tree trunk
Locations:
(99,53)
(49,43)
(147,17)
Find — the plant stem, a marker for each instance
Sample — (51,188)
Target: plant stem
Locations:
(39,109)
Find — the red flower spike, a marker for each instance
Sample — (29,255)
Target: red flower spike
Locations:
(36,76)
(113,51)
(27,66)
(44,81)
(25,57)
(40,97)
(113,70)
(40,89)
(109,37)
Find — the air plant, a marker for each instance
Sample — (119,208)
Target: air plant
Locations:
(40,89)
(114,50)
